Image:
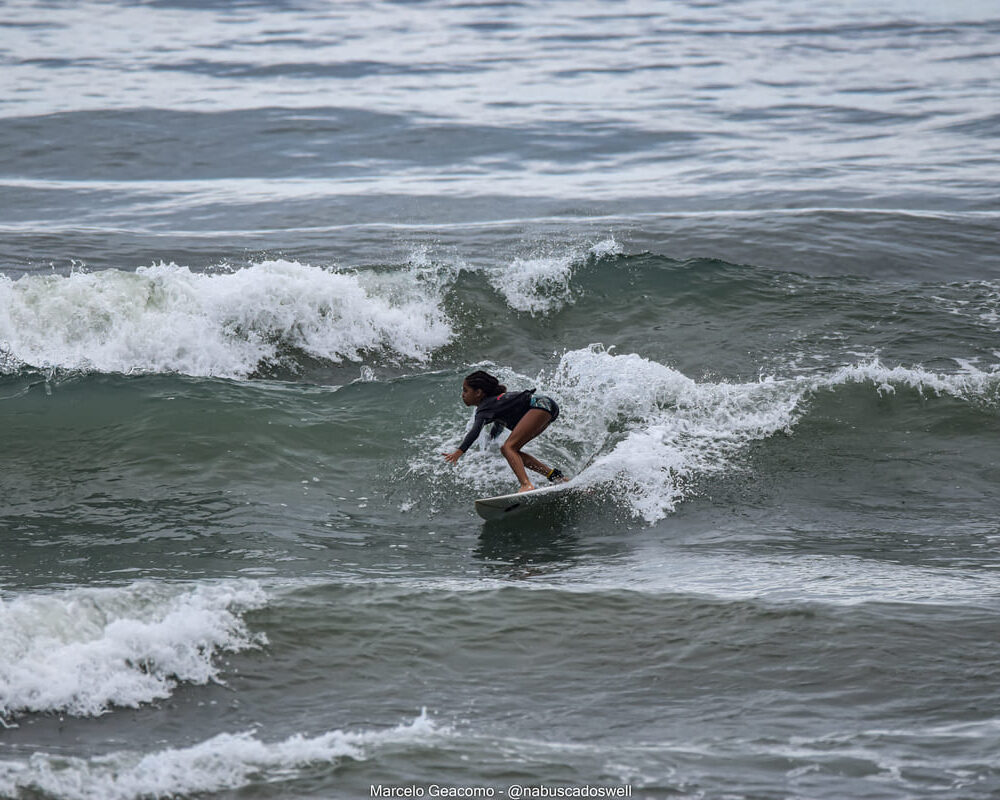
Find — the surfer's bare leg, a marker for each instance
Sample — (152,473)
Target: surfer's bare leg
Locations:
(531,424)
(534,464)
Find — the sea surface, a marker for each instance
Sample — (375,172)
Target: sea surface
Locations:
(248,252)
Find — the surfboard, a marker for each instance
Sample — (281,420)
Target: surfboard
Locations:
(506,505)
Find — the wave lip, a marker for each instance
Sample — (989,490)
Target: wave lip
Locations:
(166,318)
(226,761)
(541,284)
(83,651)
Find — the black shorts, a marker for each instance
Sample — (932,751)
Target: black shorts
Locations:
(546,404)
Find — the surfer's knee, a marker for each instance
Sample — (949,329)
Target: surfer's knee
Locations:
(508,448)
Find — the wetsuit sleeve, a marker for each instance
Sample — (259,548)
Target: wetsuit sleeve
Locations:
(471,436)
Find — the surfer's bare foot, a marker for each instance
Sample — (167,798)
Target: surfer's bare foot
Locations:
(527,487)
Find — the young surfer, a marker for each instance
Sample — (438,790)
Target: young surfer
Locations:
(525,413)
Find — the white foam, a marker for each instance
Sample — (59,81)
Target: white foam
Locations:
(166,318)
(82,651)
(671,428)
(541,284)
(226,761)
(661,428)
(971,384)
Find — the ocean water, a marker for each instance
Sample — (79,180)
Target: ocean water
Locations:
(248,251)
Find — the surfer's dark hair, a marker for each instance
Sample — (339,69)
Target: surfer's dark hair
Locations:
(483,380)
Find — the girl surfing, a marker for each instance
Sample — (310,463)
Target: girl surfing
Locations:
(525,413)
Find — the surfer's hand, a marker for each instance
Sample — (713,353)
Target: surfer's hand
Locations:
(453,457)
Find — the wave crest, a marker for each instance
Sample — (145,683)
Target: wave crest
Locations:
(226,761)
(166,318)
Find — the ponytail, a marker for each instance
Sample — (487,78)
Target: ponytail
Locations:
(483,380)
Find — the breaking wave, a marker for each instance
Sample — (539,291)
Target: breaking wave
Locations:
(84,651)
(166,318)
(226,761)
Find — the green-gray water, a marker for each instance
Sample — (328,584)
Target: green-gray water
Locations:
(244,268)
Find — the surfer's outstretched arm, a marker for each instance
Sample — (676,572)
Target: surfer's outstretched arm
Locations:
(471,397)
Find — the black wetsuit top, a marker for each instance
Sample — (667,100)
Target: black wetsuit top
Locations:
(504,409)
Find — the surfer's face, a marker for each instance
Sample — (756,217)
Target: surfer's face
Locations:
(470,396)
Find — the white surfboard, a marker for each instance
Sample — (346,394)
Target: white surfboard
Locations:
(506,505)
